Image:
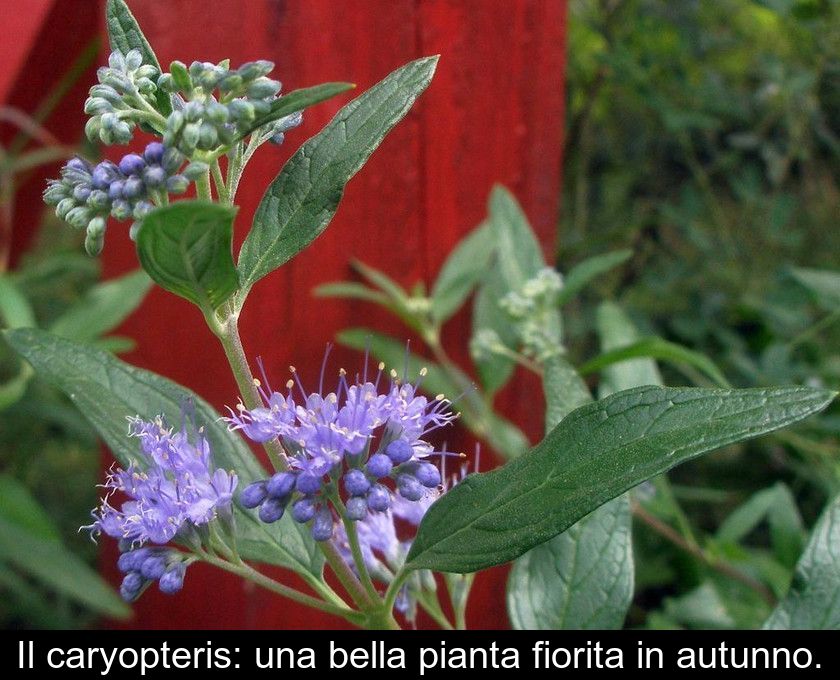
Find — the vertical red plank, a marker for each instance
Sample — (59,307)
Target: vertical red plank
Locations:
(492,114)
(42,39)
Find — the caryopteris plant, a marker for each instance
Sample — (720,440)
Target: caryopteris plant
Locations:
(355,461)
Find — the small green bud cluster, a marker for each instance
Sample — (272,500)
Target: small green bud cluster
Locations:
(221,104)
(126,91)
(533,310)
(485,343)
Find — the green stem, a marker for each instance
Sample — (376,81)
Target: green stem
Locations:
(245,571)
(430,603)
(202,187)
(228,334)
(346,576)
(394,589)
(221,189)
(356,550)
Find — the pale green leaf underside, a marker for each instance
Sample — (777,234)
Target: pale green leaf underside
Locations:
(813,601)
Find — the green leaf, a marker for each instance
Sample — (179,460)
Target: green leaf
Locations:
(616,332)
(18,507)
(517,249)
(297,100)
(106,390)
(15,310)
(461,272)
(186,248)
(823,283)
(581,579)
(354,291)
(124,34)
(595,454)
(813,601)
(50,562)
(656,348)
(582,274)
(494,370)
(103,307)
(778,506)
(302,199)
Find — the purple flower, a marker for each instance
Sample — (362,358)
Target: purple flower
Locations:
(363,432)
(175,488)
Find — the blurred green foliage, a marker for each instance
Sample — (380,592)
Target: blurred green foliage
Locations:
(705,137)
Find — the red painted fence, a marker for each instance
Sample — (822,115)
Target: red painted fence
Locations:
(492,114)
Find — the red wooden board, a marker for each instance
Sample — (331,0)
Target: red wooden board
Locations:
(492,114)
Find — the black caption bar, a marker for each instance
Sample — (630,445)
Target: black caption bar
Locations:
(147,654)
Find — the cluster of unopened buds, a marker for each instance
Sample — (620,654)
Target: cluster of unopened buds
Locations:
(87,194)
(209,109)
(355,439)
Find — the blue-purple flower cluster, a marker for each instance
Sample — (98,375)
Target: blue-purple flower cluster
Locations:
(87,194)
(172,494)
(384,550)
(356,439)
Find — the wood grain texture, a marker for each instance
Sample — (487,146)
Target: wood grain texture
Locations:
(492,114)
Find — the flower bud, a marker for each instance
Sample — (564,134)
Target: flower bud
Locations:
(241,111)
(379,498)
(133,60)
(428,475)
(409,488)
(81,193)
(133,188)
(94,243)
(64,206)
(356,508)
(207,136)
(177,184)
(255,69)
(252,495)
(281,484)
(120,209)
(131,586)
(272,510)
(262,88)
(356,483)
(195,170)
(92,128)
(218,113)
(153,154)
(153,566)
(166,83)
(173,578)
(398,451)
(95,106)
(154,176)
(193,111)
(78,217)
(307,483)
(172,160)
(231,83)
(132,164)
(322,525)
(98,199)
(304,510)
(379,465)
